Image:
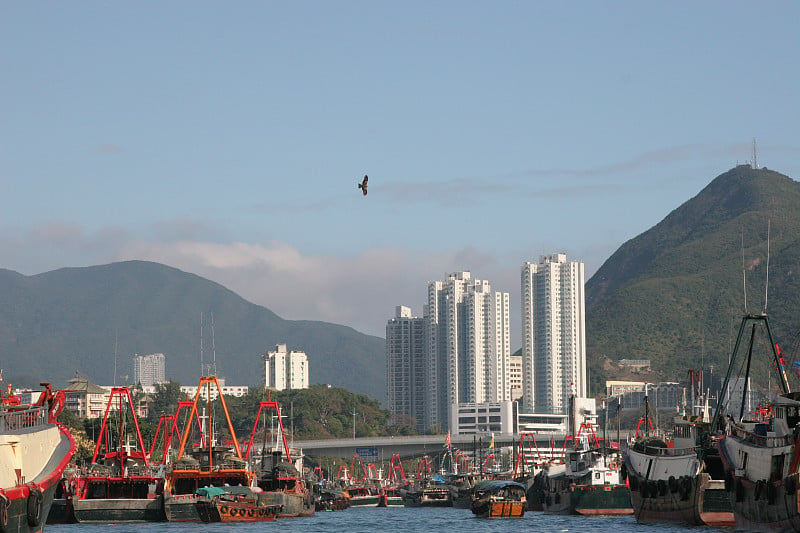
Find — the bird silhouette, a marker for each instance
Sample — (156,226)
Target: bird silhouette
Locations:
(363,185)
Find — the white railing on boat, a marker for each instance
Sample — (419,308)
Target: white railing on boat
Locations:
(669,452)
(14,420)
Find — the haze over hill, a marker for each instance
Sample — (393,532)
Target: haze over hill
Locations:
(69,320)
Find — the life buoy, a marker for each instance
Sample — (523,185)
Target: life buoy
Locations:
(612,465)
(261,512)
(251,512)
(34,507)
(223,509)
(4,503)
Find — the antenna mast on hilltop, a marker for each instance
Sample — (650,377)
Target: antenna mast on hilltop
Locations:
(755,155)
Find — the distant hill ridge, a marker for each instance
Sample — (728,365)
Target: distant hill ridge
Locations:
(60,322)
(674,294)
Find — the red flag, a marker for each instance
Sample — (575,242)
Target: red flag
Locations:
(447,440)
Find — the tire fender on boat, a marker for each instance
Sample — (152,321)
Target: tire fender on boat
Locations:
(739,490)
(673,484)
(34,507)
(771,492)
(4,503)
(759,490)
(790,485)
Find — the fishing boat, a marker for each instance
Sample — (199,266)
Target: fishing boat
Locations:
(119,486)
(34,451)
(364,485)
(677,476)
(329,497)
(499,499)
(761,450)
(587,480)
(277,474)
(427,490)
(206,465)
(235,504)
(391,490)
(528,469)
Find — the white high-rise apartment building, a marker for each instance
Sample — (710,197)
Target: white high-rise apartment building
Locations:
(406,367)
(285,369)
(149,369)
(553,334)
(468,346)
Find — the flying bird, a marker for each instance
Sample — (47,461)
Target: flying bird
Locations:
(363,185)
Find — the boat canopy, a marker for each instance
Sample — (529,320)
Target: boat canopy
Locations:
(495,485)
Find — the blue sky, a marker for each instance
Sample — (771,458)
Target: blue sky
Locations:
(226,138)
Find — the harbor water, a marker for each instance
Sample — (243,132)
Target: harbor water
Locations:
(398,520)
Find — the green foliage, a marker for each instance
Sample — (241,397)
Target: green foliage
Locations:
(164,401)
(674,294)
(318,412)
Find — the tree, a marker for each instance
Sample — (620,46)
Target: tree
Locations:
(164,400)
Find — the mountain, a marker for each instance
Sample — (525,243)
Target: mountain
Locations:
(55,324)
(676,293)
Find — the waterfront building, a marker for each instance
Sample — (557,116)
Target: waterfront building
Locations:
(285,369)
(405,367)
(553,334)
(467,346)
(84,399)
(149,369)
(485,418)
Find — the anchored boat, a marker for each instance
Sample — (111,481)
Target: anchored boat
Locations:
(207,465)
(761,451)
(34,451)
(120,485)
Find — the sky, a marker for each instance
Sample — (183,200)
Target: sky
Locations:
(226,139)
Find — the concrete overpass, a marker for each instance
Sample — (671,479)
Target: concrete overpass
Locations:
(415,446)
(411,447)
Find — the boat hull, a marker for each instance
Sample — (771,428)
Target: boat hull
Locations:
(19,515)
(293,504)
(502,509)
(33,456)
(119,510)
(601,500)
(182,508)
(665,487)
(237,510)
(428,498)
(760,505)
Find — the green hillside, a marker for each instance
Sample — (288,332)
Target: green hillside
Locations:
(675,294)
(65,321)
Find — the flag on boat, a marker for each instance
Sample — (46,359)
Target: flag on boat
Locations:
(447,441)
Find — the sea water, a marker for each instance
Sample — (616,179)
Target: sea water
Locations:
(398,520)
